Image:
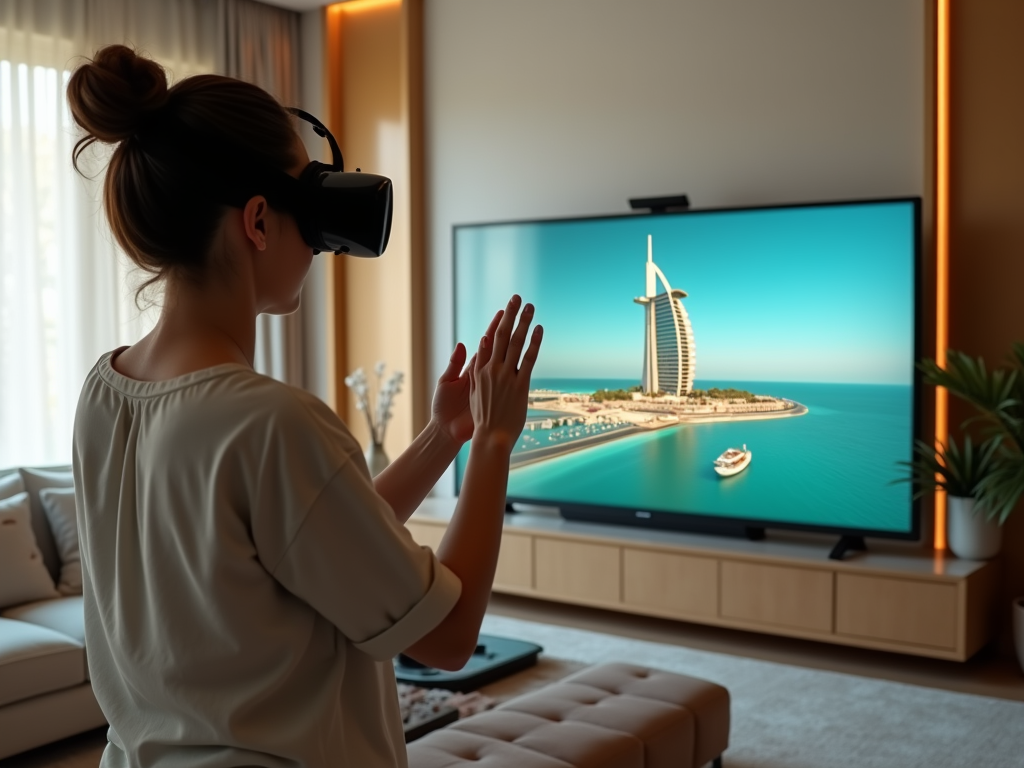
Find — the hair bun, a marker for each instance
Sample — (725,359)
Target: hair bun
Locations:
(112,96)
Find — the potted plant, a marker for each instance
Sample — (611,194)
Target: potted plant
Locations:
(998,400)
(960,472)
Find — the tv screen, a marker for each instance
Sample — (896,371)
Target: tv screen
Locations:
(746,366)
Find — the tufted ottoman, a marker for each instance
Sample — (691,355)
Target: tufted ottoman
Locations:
(606,716)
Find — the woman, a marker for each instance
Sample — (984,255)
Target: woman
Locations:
(247,584)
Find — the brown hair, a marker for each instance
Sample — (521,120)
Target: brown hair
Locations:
(158,210)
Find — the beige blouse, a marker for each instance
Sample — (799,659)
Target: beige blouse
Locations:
(245,586)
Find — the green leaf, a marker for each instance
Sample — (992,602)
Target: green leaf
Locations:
(960,471)
(994,472)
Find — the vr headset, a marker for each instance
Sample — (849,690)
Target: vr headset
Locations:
(342,212)
(335,211)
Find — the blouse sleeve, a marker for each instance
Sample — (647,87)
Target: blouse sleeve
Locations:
(347,555)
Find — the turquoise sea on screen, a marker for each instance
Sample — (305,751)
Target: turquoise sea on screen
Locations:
(833,466)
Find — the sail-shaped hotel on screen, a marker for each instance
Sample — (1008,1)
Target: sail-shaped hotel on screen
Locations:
(669,354)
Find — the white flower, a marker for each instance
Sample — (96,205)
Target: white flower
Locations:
(377,414)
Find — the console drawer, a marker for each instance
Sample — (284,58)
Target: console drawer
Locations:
(680,585)
(800,598)
(575,570)
(896,610)
(515,562)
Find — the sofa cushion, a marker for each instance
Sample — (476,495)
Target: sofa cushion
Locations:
(59,506)
(35,660)
(23,577)
(666,730)
(63,614)
(577,743)
(10,483)
(447,748)
(707,701)
(35,480)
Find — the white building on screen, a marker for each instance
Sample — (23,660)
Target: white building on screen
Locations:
(669,355)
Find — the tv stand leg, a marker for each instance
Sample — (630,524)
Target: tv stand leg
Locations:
(847,544)
(508,508)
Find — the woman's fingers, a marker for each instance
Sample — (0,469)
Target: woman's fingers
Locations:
(455,363)
(504,331)
(530,358)
(515,346)
(493,326)
(487,340)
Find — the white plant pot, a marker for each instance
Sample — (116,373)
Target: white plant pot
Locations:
(971,535)
(1018,629)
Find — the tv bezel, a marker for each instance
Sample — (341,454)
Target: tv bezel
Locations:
(703,522)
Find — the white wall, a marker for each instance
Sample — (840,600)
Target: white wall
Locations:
(545,108)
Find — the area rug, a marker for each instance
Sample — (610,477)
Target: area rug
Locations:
(790,717)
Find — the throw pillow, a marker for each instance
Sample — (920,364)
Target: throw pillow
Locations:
(59,506)
(11,484)
(23,576)
(35,480)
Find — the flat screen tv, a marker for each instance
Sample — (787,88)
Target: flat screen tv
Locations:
(716,369)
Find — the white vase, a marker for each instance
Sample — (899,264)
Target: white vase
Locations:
(1018,629)
(970,534)
(376,459)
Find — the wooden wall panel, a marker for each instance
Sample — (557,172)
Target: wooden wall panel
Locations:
(374,58)
(987,212)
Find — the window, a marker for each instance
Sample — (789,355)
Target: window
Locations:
(62,295)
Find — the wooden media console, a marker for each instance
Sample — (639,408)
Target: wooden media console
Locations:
(893,597)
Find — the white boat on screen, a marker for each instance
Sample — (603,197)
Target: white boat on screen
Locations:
(733,461)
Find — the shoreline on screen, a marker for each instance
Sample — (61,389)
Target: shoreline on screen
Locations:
(527,457)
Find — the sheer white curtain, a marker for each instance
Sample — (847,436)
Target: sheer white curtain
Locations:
(65,290)
(260,44)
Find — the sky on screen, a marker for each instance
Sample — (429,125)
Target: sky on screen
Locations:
(817,294)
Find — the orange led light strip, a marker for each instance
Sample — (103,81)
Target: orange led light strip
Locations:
(941,244)
(360,5)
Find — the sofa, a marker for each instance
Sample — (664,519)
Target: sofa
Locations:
(45,693)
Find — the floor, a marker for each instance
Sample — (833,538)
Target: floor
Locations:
(991,672)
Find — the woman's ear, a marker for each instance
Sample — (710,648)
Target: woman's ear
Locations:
(254,219)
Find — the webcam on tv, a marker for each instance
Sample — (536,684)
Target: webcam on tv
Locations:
(660,204)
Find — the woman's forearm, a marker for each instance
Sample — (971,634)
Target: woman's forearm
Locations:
(470,550)
(409,478)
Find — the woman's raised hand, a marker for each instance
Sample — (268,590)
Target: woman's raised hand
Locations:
(500,380)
